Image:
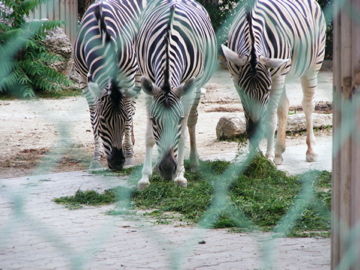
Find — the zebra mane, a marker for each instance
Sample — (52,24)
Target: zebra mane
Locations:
(115,95)
(167,85)
(253,60)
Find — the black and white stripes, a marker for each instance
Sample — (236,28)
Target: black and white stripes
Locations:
(176,48)
(104,54)
(268,40)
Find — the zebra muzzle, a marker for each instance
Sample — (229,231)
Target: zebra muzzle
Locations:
(116,159)
(167,166)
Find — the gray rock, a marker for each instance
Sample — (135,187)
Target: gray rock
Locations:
(5,11)
(230,126)
(296,122)
(234,125)
(57,42)
(78,81)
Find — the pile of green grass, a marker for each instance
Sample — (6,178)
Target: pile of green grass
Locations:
(257,199)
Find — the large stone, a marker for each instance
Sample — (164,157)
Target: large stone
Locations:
(297,122)
(4,12)
(58,43)
(230,126)
(233,126)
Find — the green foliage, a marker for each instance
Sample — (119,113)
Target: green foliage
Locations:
(26,61)
(261,196)
(327,7)
(221,14)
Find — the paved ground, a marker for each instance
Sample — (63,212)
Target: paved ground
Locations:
(36,233)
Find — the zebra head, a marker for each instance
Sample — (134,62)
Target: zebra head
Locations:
(253,81)
(114,109)
(167,114)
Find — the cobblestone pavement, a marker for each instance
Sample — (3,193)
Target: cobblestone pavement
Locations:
(36,233)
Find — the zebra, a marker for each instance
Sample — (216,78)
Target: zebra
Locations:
(104,55)
(176,50)
(267,41)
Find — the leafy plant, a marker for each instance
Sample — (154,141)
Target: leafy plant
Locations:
(26,62)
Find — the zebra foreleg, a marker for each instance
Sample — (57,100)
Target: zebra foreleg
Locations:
(276,92)
(144,182)
(129,139)
(95,162)
(191,123)
(128,144)
(309,83)
(180,171)
(282,113)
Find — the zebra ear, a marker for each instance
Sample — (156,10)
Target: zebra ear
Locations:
(185,88)
(274,62)
(148,86)
(234,57)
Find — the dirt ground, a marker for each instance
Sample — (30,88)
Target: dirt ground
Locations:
(39,131)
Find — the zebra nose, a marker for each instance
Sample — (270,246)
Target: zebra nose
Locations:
(167,166)
(251,129)
(116,159)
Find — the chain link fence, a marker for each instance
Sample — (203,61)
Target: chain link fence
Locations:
(28,203)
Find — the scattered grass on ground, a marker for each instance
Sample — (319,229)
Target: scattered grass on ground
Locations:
(317,131)
(262,194)
(241,139)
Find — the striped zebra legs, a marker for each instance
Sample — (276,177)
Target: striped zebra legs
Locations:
(282,113)
(277,89)
(191,120)
(180,171)
(91,94)
(129,139)
(191,123)
(95,163)
(309,84)
(147,170)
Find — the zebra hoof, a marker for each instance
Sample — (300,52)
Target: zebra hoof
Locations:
(143,184)
(311,157)
(278,160)
(182,182)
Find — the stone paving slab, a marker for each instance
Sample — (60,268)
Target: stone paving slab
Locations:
(36,233)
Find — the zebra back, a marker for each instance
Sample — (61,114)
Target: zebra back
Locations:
(176,42)
(287,29)
(104,46)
